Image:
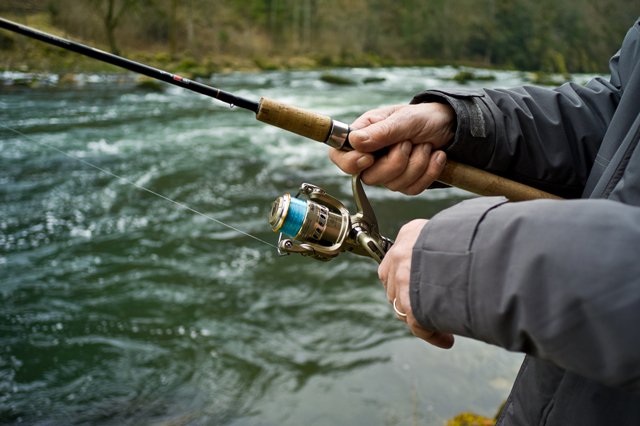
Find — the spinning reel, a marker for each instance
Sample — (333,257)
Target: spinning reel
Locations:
(320,226)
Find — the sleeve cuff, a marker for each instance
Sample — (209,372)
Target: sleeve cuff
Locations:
(440,266)
(474,124)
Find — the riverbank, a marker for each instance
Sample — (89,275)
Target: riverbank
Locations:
(25,55)
(32,59)
(20,53)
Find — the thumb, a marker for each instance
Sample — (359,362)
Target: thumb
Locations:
(373,137)
(390,131)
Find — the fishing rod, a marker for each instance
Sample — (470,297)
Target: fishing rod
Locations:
(319,225)
(129,65)
(318,127)
(304,123)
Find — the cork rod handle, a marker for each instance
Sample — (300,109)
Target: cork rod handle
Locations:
(484,183)
(302,122)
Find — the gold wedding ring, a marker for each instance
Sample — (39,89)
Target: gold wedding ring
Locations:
(395,308)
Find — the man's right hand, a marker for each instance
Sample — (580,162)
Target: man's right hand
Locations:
(413,134)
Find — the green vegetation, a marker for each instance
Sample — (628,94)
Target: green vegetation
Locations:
(470,419)
(199,37)
(337,80)
(465,76)
(372,80)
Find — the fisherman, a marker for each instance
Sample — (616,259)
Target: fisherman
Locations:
(556,280)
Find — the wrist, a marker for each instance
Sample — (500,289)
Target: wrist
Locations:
(441,119)
(450,124)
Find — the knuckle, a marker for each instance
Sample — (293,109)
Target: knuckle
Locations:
(369,177)
(413,324)
(384,129)
(432,173)
(412,191)
(382,276)
(393,186)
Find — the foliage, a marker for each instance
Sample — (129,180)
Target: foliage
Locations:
(542,35)
(470,419)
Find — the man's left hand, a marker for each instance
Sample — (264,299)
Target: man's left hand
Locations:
(395,271)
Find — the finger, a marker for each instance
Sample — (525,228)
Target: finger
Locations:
(401,304)
(399,313)
(351,162)
(376,136)
(389,166)
(360,137)
(436,338)
(398,285)
(420,332)
(437,162)
(383,271)
(390,287)
(403,123)
(441,340)
(416,168)
(374,115)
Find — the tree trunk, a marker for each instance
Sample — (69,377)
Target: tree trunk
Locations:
(110,23)
(173,23)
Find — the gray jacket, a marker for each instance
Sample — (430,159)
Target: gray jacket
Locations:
(557,280)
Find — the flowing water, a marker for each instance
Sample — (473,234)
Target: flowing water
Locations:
(120,307)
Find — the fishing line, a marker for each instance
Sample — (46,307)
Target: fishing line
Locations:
(143,188)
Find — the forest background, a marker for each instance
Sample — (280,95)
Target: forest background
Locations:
(204,36)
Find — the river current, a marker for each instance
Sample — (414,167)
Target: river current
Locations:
(120,307)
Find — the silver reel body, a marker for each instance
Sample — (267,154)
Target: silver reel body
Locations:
(320,226)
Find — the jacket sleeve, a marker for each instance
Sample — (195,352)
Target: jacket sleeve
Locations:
(547,138)
(559,280)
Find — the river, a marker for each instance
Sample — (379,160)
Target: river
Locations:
(121,307)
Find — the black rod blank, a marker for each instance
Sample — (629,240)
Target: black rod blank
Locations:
(130,65)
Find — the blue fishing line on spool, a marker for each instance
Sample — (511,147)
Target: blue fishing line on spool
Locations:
(295,217)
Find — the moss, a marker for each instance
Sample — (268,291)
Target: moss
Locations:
(149,84)
(470,419)
(266,64)
(546,79)
(301,62)
(162,57)
(337,80)
(370,80)
(465,76)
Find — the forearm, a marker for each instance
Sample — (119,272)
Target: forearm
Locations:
(557,280)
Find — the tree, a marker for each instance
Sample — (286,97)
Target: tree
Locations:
(112,12)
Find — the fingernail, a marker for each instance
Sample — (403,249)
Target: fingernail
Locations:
(364,161)
(362,136)
(406,148)
(441,158)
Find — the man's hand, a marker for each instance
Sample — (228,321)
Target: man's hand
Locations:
(394,272)
(413,134)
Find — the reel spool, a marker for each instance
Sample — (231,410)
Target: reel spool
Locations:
(322,227)
(306,220)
